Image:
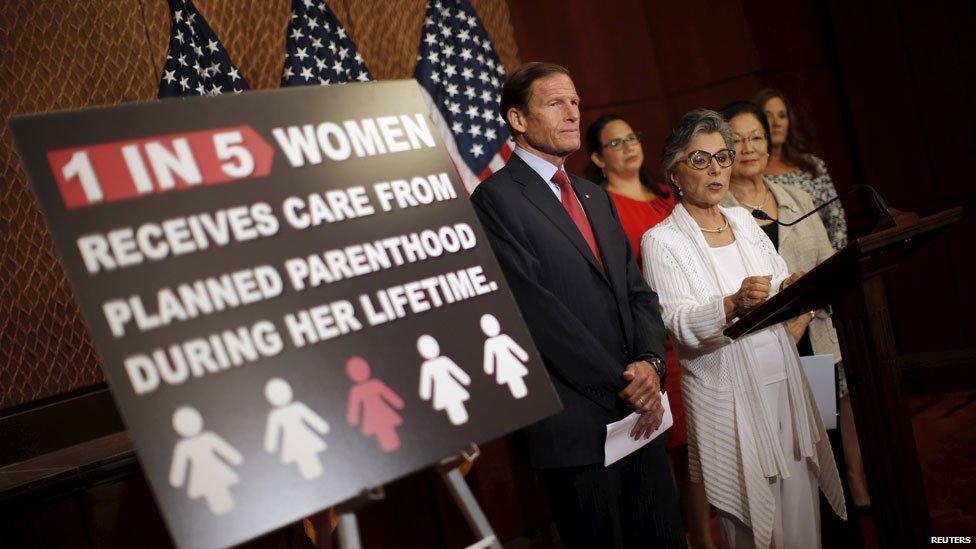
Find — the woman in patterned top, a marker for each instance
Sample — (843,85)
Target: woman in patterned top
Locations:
(792,164)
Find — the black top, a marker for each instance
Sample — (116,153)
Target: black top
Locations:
(804,347)
(772,231)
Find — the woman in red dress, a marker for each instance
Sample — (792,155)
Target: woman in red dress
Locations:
(617,163)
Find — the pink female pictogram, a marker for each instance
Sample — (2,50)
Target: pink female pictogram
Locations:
(372,405)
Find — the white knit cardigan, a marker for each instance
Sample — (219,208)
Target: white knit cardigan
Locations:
(732,445)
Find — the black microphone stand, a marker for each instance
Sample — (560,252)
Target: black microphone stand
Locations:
(885,215)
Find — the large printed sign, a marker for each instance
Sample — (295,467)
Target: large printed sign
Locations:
(290,293)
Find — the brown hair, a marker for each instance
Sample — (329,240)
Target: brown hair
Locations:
(795,149)
(595,145)
(517,91)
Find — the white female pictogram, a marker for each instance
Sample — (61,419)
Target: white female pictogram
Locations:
(206,455)
(294,430)
(443,380)
(504,358)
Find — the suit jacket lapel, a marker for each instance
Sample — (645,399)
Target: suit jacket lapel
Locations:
(538,192)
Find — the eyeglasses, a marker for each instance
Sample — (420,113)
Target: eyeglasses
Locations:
(756,141)
(702,159)
(619,142)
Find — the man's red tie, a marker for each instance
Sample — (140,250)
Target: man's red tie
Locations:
(576,212)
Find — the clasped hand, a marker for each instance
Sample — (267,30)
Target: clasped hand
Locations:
(643,394)
(753,292)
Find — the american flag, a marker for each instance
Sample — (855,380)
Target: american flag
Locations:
(196,63)
(462,77)
(318,49)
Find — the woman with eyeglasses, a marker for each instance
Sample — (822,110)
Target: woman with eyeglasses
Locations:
(802,246)
(617,163)
(755,438)
(806,245)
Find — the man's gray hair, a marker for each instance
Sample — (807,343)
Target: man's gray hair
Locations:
(692,124)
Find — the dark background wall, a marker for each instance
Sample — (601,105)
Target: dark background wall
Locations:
(882,88)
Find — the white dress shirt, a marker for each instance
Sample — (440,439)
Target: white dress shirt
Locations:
(545,169)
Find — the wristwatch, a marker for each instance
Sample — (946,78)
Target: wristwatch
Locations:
(659,366)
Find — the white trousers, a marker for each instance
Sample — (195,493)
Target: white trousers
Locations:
(796,524)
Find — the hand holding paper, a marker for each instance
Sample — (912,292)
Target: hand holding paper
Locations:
(648,422)
(620,443)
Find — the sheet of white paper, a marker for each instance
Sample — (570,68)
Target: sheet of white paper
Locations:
(820,373)
(620,443)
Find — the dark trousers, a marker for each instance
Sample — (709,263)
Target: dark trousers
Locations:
(632,503)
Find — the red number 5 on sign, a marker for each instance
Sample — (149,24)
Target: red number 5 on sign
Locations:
(122,170)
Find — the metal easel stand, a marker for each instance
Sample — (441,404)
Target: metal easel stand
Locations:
(348,529)
(465,500)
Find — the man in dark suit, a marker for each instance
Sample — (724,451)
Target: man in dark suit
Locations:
(596,323)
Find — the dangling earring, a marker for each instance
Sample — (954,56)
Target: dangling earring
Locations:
(604,174)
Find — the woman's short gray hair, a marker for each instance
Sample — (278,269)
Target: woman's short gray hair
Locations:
(694,123)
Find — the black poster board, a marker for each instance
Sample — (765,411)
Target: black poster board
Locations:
(290,293)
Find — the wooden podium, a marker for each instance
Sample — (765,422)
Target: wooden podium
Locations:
(851,282)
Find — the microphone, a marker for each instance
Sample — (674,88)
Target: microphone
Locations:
(878,201)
